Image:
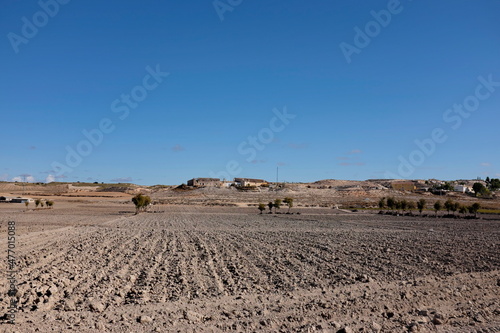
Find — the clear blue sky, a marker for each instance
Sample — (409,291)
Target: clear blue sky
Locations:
(355,116)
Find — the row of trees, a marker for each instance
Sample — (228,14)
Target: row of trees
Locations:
(449,205)
(493,184)
(485,191)
(276,205)
(41,203)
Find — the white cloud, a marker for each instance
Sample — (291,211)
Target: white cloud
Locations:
(50,179)
(356,151)
(4,177)
(24,178)
(178,148)
(486,164)
(123,180)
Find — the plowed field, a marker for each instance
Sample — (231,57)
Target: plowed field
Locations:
(230,269)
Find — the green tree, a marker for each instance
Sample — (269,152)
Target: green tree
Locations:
(289,202)
(141,202)
(404,205)
(494,184)
(381,203)
(270,205)
(448,205)
(455,207)
(437,207)
(474,208)
(411,206)
(50,203)
(391,203)
(447,186)
(421,205)
(262,207)
(37,202)
(398,205)
(27,203)
(463,210)
(277,204)
(479,189)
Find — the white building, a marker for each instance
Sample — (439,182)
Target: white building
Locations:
(462,188)
(226,184)
(244,182)
(15,200)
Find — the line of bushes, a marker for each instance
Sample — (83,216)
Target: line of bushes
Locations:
(277,205)
(41,203)
(449,205)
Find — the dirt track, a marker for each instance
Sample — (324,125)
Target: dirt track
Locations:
(225,269)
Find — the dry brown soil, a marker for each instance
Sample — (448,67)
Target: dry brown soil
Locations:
(96,267)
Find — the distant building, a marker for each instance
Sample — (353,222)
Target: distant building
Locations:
(462,188)
(245,182)
(404,186)
(226,184)
(204,182)
(17,200)
(421,187)
(435,182)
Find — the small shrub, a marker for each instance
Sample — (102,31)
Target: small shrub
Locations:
(141,202)
(262,207)
(277,204)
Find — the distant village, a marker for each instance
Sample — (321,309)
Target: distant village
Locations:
(476,187)
(464,186)
(430,185)
(238,182)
